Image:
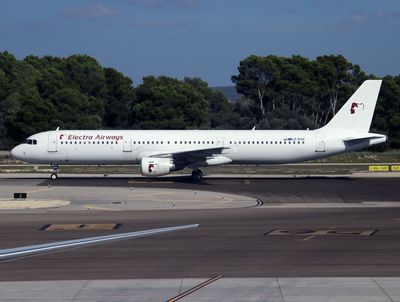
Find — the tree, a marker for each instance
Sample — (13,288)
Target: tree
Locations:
(166,103)
(74,110)
(119,97)
(254,79)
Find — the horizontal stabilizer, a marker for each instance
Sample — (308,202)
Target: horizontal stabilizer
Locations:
(364,137)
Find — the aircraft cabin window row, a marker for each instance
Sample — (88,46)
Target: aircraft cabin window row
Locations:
(89,142)
(34,142)
(266,142)
(176,142)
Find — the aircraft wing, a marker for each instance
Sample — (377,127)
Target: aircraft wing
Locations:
(31,250)
(191,154)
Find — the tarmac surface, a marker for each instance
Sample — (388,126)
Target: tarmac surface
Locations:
(221,289)
(329,230)
(276,189)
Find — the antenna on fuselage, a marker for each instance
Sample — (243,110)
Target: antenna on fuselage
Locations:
(254,128)
(58,128)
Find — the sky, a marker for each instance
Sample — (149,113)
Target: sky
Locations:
(203,38)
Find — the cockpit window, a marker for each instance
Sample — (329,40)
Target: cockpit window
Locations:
(31,141)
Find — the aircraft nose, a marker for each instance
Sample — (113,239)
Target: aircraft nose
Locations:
(17,152)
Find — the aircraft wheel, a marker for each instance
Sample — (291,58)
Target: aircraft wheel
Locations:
(54,176)
(197,175)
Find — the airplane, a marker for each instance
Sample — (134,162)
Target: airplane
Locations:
(160,152)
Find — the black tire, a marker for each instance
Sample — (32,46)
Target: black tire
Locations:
(197,175)
(53,176)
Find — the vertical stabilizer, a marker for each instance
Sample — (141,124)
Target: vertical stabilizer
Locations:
(356,114)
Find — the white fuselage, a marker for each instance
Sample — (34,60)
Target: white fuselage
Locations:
(130,146)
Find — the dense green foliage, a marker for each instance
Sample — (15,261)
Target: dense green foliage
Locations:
(39,94)
(298,93)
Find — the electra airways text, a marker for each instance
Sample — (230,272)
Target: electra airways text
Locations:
(160,152)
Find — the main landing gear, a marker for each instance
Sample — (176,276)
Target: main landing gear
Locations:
(197,175)
(54,175)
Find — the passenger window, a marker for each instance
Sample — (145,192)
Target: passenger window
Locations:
(61,143)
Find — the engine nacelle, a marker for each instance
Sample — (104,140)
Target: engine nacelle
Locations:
(153,166)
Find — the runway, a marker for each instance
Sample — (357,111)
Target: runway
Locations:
(267,239)
(268,190)
(239,242)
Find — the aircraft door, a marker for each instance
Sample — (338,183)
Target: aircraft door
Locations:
(220,142)
(52,143)
(320,143)
(127,147)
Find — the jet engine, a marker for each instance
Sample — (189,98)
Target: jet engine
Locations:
(153,166)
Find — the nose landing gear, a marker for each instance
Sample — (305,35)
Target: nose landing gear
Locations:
(54,175)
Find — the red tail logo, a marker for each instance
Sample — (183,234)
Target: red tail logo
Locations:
(355,105)
(151,166)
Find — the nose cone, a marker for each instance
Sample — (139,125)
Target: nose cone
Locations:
(18,153)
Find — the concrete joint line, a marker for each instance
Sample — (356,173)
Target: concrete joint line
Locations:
(381,288)
(195,288)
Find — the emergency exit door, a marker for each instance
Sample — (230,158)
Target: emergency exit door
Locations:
(320,143)
(52,143)
(127,144)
